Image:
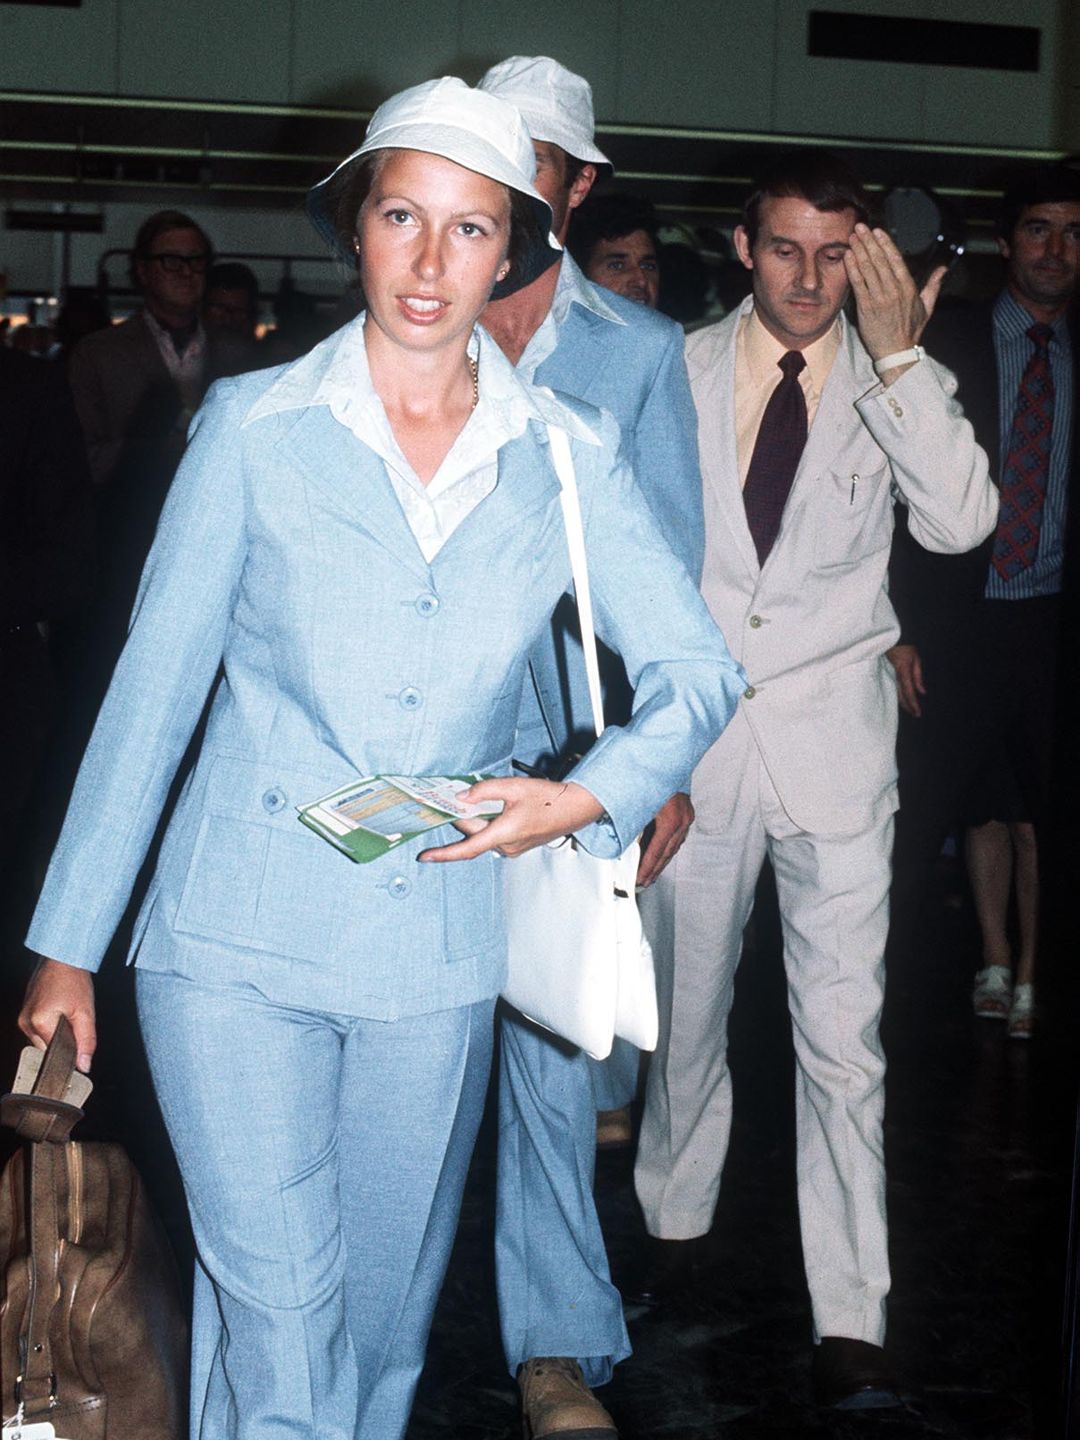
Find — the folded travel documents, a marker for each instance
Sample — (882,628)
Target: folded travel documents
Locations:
(380,812)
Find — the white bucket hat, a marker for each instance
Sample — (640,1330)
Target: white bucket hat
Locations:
(556,103)
(480,131)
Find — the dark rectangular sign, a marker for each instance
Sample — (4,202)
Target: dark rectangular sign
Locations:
(60,222)
(839,35)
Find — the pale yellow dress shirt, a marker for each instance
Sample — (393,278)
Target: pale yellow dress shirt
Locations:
(757,374)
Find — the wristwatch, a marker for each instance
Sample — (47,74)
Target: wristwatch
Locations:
(901,357)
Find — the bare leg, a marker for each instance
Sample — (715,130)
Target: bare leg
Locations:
(1026,863)
(988,851)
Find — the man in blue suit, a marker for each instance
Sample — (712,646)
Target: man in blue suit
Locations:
(561,1317)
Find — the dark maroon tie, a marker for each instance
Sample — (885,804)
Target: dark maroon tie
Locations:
(1027,462)
(777,451)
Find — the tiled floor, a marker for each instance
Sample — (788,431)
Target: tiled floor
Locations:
(979,1136)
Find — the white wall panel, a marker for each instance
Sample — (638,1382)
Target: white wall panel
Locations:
(205,49)
(867,98)
(984,107)
(1069,80)
(871,98)
(65,50)
(721,64)
(691,62)
(994,107)
(354,53)
(582,34)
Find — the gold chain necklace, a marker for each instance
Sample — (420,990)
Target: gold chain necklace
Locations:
(474,371)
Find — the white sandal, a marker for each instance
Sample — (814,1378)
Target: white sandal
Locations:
(993,992)
(1022,1012)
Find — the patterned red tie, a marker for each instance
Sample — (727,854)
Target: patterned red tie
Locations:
(776,456)
(1027,464)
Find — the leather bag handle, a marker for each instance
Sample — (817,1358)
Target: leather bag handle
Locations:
(45,1119)
(44,1114)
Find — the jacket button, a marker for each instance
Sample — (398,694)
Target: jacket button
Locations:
(427,604)
(755,622)
(399,887)
(273,800)
(410,698)
(749,692)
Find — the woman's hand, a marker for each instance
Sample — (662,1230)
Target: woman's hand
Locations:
(534,812)
(56,989)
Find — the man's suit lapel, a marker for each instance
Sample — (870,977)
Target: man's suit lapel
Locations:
(714,391)
(832,423)
(583,355)
(830,434)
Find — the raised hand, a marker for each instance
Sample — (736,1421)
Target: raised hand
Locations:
(892,312)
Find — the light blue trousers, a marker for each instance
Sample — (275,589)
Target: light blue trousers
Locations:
(555,1290)
(615,1079)
(323,1158)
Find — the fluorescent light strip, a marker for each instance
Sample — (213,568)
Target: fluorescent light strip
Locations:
(173,152)
(198,107)
(757,137)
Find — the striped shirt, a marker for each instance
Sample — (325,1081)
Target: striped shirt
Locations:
(1013,350)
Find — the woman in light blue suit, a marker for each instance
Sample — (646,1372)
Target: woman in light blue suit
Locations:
(357,556)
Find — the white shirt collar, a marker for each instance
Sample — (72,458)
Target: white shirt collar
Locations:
(574,289)
(335,374)
(571,288)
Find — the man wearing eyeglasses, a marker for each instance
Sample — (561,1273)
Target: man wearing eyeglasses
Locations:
(136,386)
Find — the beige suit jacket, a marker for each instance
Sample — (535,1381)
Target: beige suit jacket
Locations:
(811,626)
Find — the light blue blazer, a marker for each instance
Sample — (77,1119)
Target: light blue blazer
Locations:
(285,579)
(628,361)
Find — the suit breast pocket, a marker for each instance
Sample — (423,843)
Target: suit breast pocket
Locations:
(853,516)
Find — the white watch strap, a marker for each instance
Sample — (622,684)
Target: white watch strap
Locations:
(575,538)
(901,357)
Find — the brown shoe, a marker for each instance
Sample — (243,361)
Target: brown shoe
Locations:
(556,1401)
(613,1128)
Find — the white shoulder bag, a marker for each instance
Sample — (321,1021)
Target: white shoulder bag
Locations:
(580,964)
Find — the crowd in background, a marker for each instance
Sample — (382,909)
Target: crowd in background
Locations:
(95,423)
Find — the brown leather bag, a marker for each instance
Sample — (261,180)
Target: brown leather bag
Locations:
(93,1335)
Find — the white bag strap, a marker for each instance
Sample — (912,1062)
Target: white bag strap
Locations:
(575,538)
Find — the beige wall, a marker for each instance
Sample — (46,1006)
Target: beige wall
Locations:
(700,63)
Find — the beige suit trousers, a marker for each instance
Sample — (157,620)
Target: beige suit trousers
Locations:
(833,894)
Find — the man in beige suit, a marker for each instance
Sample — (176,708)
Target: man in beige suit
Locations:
(807,425)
